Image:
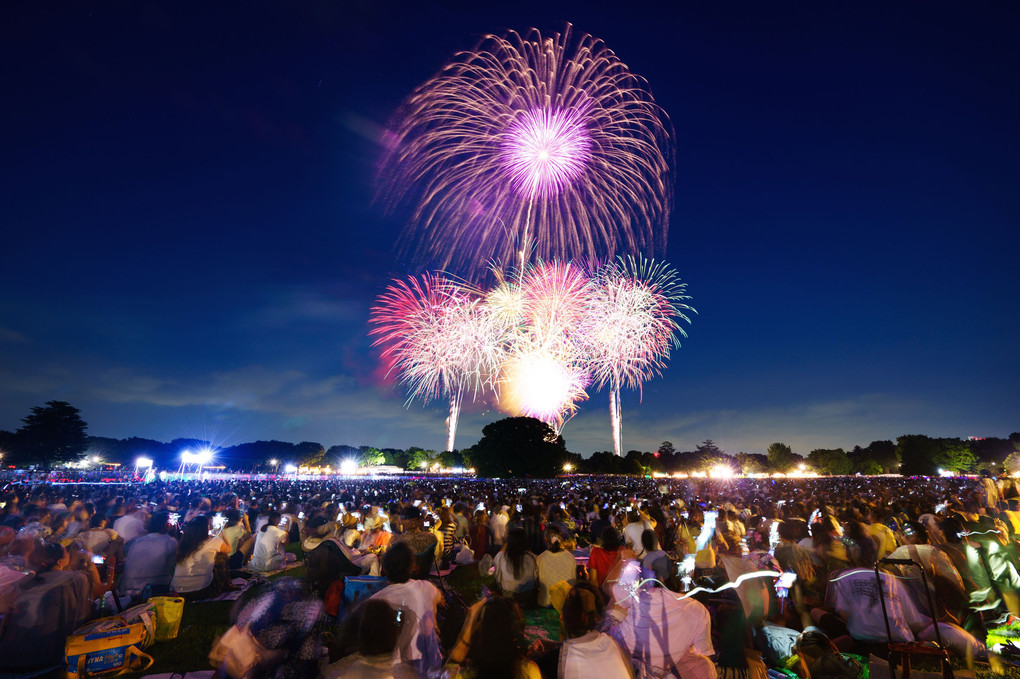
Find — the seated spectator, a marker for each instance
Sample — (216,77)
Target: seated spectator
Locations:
(586,652)
(132,523)
(665,635)
(235,534)
(416,602)
(150,559)
(269,553)
(516,569)
(46,608)
(200,572)
(422,542)
(99,539)
(655,562)
(495,647)
(377,630)
(479,534)
(555,565)
(604,557)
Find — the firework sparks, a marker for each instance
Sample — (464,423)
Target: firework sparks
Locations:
(535,341)
(531,141)
(631,323)
(542,383)
(543,151)
(438,340)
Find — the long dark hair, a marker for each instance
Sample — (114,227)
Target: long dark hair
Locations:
(196,532)
(497,642)
(274,519)
(516,548)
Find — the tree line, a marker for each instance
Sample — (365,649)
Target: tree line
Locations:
(55,433)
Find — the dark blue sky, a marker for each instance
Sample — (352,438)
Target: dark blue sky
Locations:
(190,246)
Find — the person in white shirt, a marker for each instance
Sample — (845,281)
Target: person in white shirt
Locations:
(586,652)
(270,540)
(131,525)
(665,634)
(632,533)
(497,528)
(196,561)
(516,569)
(416,602)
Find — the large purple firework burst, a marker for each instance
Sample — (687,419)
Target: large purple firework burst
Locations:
(530,144)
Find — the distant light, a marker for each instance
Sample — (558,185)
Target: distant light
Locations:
(290,468)
(274,462)
(201,457)
(568,467)
(802,467)
(721,471)
(143,463)
(96,459)
(348,467)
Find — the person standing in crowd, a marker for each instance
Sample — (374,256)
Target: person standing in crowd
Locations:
(479,535)
(498,528)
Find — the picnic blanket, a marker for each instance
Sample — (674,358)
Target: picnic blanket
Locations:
(269,574)
(240,587)
(542,623)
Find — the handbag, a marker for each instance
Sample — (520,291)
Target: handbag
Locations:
(108,647)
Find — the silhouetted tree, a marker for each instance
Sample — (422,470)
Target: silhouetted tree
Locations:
(518,446)
(52,434)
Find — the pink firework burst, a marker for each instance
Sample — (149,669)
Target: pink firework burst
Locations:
(544,150)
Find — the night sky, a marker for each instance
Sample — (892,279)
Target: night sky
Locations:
(191,245)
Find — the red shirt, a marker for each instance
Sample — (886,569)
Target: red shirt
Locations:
(602,561)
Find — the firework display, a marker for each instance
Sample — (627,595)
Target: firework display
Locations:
(537,340)
(631,321)
(530,144)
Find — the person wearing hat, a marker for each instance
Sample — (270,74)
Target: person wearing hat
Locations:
(315,532)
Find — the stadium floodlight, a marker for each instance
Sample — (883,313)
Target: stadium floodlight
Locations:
(96,459)
(348,467)
(568,467)
(143,463)
(274,462)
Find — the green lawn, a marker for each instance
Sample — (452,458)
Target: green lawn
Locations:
(201,623)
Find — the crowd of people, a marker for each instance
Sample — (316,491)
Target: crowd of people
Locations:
(647,577)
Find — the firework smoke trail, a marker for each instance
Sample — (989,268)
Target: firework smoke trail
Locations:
(632,320)
(552,136)
(439,340)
